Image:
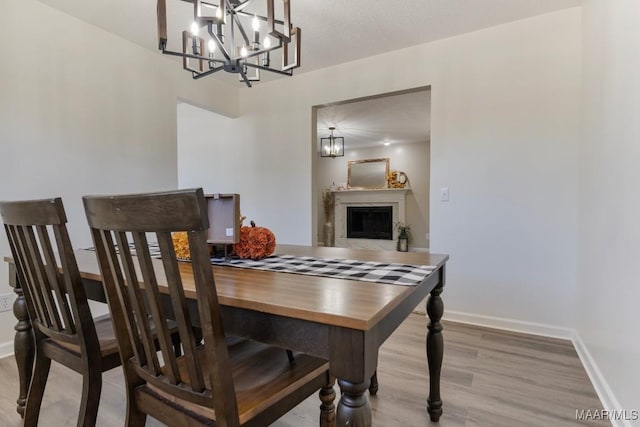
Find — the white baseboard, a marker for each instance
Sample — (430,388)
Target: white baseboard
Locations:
(606,395)
(6,349)
(510,324)
(604,392)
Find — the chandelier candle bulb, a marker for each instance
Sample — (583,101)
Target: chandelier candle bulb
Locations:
(194,38)
(266,58)
(212,52)
(256,32)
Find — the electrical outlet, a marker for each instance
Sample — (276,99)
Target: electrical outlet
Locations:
(6,302)
(444,194)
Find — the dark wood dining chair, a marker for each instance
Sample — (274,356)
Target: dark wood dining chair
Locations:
(220,383)
(63,327)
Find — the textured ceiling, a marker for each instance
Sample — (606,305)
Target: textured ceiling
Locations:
(333,32)
(396,119)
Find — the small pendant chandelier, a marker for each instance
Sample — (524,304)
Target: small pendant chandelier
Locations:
(332,146)
(229,46)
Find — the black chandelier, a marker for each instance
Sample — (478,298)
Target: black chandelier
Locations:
(230,47)
(332,146)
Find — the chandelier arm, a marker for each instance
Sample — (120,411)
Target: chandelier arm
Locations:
(241,29)
(261,51)
(219,43)
(188,55)
(273,70)
(232,31)
(245,78)
(260,17)
(206,73)
(242,5)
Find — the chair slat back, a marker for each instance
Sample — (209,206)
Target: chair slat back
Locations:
(48,273)
(137,286)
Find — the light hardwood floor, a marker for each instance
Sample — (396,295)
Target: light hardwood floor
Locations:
(489,378)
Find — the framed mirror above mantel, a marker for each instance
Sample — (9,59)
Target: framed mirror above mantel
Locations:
(367,174)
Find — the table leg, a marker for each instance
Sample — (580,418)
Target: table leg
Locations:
(373,385)
(353,409)
(24,348)
(435,350)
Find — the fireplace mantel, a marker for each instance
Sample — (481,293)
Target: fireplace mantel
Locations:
(395,197)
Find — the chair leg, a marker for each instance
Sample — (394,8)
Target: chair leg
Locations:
(135,418)
(91,390)
(373,385)
(327,408)
(36,390)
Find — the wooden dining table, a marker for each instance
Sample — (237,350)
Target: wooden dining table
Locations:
(344,321)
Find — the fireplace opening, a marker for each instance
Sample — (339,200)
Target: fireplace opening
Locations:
(370,222)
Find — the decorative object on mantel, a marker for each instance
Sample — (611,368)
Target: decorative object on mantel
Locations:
(340,187)
(328,232)
(255,242)
(404,236)
(397,179)
(332,146)
(230,47)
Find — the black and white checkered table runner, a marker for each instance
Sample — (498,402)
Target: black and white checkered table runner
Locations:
(368,271)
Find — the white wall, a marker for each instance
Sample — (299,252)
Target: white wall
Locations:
(505,115)
(609,246)
(218,153)
(413,159)
(83,111)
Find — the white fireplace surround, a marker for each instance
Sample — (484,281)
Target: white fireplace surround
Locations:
(396,198)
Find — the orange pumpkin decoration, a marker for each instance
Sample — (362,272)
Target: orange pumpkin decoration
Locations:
(255,242)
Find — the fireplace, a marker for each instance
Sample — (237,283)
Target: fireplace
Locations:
(370,222)
(392,200)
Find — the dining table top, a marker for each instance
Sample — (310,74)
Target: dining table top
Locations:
(347,303)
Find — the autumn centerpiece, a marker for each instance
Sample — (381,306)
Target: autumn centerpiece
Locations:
(255,242)
(181,245)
